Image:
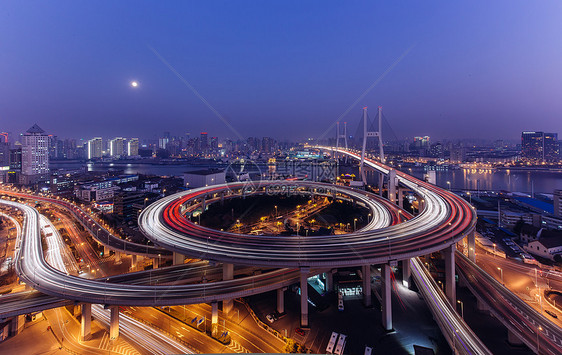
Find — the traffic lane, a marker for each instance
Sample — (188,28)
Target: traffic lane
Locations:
(522,283)
(513,309)
(196,339)
(254,339)
(545,278)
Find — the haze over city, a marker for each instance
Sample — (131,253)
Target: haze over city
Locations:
(285,69)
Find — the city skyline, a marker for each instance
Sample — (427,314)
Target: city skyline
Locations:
(290,71)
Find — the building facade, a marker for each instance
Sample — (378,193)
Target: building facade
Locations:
(35,152)
(94,148)
(540,146)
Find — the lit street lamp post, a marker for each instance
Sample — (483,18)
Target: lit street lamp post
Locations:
(354,224)
(501,273)
(462,308)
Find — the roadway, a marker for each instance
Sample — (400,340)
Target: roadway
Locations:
(36,272)
(445,220)
(525,280)
(99,232)
(531,327)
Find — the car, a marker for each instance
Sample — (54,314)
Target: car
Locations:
(300,331)
(551,313)
(270,318)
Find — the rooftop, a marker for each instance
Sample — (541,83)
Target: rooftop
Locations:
(35,129)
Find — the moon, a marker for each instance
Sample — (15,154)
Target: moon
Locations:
(134,84)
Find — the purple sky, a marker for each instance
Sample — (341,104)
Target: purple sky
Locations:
(286,69)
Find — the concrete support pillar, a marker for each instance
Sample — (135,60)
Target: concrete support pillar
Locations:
(86,322)
(450,287)
(304,296)
(386,297)
(214,317)
(400,198)
(204,204)
(406,273)
(392,185)
(17,324)
(227,274)
(512,339)
(281,300)
(367,285)
(105,251)
(329,281)
(178,258)
(471,239)
(381,183)
(222,198)
(114,322)
(117,257)
(133,261)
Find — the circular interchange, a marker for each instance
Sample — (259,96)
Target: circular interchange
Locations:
(445,220)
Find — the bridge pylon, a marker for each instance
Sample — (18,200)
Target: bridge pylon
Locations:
(369,133)
(340,135)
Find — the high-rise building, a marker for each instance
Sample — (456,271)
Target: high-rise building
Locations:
(204,142)
(551,147)
(116,147)
(163,142)
(94,148)
(421,142)
(15,158)
(35,152)
(133,147)
(540,146)
(214,143)
(4,154)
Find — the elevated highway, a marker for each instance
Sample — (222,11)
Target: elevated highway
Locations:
(523,322)
(99,232)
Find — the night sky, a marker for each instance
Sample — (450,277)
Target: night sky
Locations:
(287,69)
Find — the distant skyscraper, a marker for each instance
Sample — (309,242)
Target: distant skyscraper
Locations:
(421,142)
(35,152)
(133,147)
(214,143)
(540,146)
(4,154)
(94,148)
(551,147)
(163,142)
(116,147)
(204,142)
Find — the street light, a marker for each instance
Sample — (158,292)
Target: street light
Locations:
(354,224)
(462,308)
(449,184)
(501,273)
(470,197)
(275,211)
